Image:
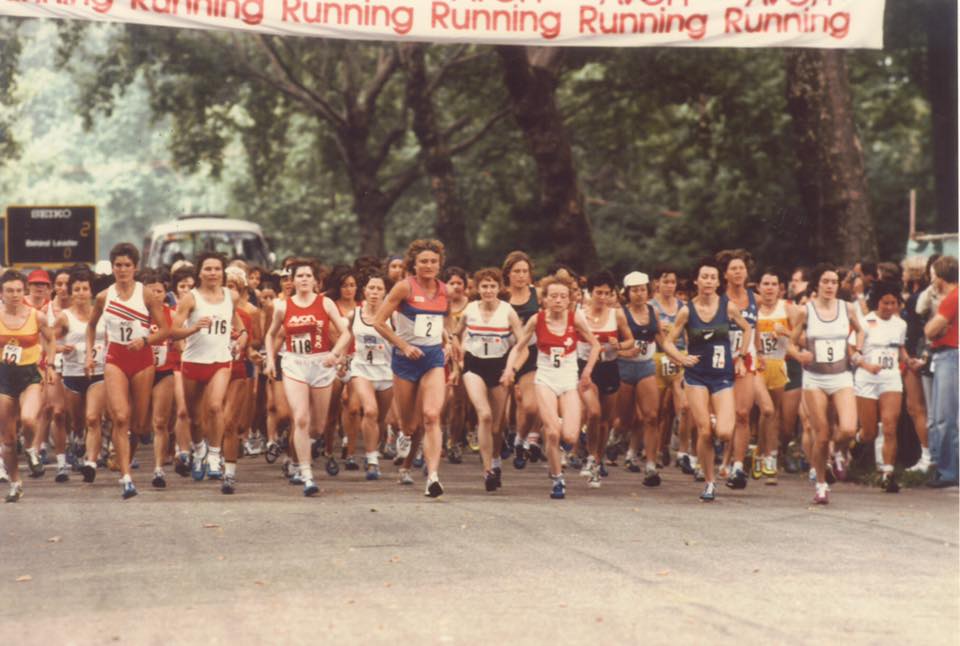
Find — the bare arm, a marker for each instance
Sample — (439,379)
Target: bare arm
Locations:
(98,305)
(670,341)
(580,323)
(396,296)
(340,324)
(49,344)
(523,336)
(155,307)
(184,307)
(270,369)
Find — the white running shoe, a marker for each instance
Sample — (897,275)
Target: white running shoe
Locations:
(404,442)
(588,464)
(594,476)
(4,476)
(922,466)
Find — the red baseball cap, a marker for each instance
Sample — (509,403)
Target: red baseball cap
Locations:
(38,276)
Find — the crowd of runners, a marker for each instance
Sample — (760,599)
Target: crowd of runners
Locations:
(729,372)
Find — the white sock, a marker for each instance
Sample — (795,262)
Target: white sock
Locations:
(230,468)
(496,463)
(61,460)
(433,477)
(925,453)
(373,457)
(306,472)
(213,457)
(125,479)
(32,451)
(694,462)
(90,463)
(885,468)
(651,466)
(680,454)
(631,454)
(738,465)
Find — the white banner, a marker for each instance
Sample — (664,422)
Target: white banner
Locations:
(594,23)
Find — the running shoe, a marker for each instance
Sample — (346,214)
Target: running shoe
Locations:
(404,477)
(685,466)
(351,464)
(229,485)
(332,467)
(699,475)
(737,480)
(587,467)
(498,472)
(159,479)
(770,470)
(922,466)
(4,476)
(756,468)
(44,455)
(273,452)
(723,471)
(373,471)
(821,497)
(603,469)
(652,479)
(889,483)
(594,474)
(63,474)
(536,453)
(404,442)
(831,476)
(296,478)
(632,465)
(812,475)
(490,481)
(127,490)
(418,461)
(214,469)
(574,460)
(559,490)
(709,493)
(473,441)
(316,448)
(89,471)
(504,450)
(134,463)
(665,456)
(390,448)
(16,492)
(310,488)
(434,488)
(840,467)
(35,465)
(455,454)
(520,457)
(181,464)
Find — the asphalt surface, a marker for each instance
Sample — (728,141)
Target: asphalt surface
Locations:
(374,562)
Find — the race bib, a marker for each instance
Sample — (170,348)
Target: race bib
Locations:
(12,353)
(886,358)
(126,331)
(719,359)
(218,326)
(829,350)
(492,346)
(58,362)
(375,354)
(646,349)
(159,355)
(668,368)
(428,326)
(736,341)
(768,342)
(556,357)
(98,352)
(301,344)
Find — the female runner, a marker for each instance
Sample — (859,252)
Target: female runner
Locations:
(205,317)
(455,409)
(309,360)
(877,381)
(24,335)
(708,365)
(420,348)
(128,374)
(372,383)
(487,329)
(86,396)
(827,321)
(673,399)
(524,297)
(638,376)
(609,326)
(556,328)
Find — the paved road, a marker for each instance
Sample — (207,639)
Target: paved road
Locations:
(378,563)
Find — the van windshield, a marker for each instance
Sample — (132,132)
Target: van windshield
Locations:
(232,244)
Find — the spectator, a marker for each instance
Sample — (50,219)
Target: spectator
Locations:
(941,330)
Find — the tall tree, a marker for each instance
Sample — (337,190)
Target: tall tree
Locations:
(830,168)
(531,76)
(10,48)
(942,72)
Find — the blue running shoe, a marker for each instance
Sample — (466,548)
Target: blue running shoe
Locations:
(199,471)
(332,467)
(229,485)
(128,491)
(373,471)
(505,451)
(418,460)
(310,488)
(574,461)
(214,471)
(181,464)
(536,453)
(559,491)
(134,464)
(520,459)
(709,493)
(603,470)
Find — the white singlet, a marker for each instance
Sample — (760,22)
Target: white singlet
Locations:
(372,358)
(487,339)
(881,346)
(126,321)
(74,363)
(210,345)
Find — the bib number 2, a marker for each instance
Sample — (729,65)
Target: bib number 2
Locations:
(429,326)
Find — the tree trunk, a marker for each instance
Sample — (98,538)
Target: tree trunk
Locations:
(435,154)
(830,168)
(371,207)
(530,76)
(942,93)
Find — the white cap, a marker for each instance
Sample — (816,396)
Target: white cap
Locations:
(103,267)
(635,278)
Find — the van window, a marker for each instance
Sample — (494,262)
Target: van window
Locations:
(187,246)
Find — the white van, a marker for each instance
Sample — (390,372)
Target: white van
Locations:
(189,235)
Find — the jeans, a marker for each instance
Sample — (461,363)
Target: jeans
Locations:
(945,396)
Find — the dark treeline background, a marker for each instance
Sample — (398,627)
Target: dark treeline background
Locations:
(620,158)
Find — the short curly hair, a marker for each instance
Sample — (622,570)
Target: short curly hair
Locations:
(419,246)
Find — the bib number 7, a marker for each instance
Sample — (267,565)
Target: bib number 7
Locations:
(719,359)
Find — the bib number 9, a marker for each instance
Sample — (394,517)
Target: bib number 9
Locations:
(829,350)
